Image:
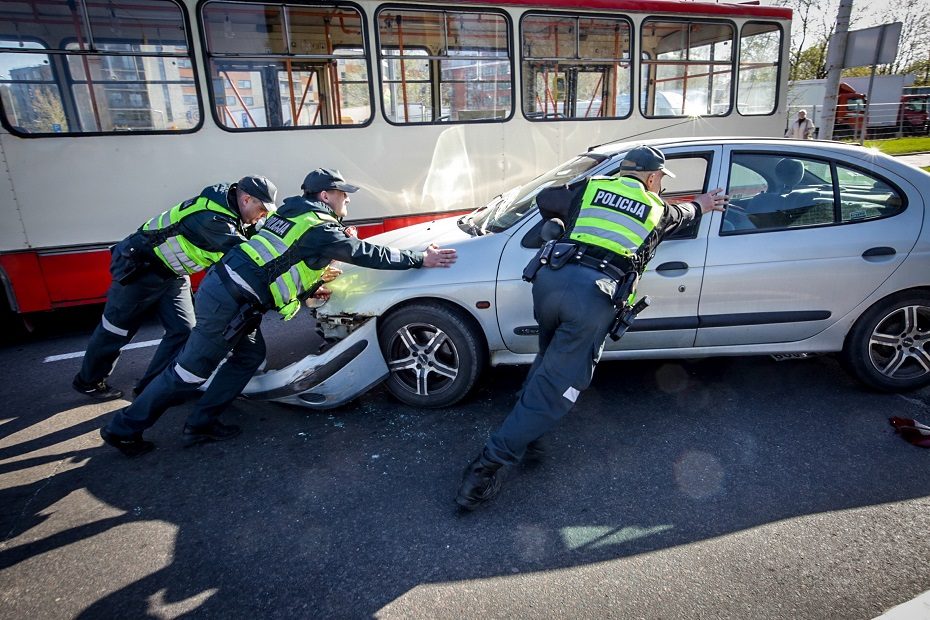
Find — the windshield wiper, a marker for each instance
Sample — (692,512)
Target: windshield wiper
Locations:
(467,223)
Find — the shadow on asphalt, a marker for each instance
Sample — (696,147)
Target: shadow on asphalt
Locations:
(338,514)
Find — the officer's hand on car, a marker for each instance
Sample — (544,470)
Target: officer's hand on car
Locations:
(439,257)
(714,200)
(330,273)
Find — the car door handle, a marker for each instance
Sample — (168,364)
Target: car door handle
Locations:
(878,252)
(672,266)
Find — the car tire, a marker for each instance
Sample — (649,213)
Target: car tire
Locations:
(435,354)
(888,348)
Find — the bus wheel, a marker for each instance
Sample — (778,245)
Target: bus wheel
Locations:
(434,352)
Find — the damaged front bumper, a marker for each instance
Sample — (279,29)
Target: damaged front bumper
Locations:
(349,368)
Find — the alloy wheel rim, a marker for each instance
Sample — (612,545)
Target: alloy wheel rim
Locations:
(423,358)
(898,345)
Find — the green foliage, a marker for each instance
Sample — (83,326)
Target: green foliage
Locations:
(811,63)
(901,146)
(47,110)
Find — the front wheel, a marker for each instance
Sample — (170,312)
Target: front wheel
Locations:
(889,346)
(434,353)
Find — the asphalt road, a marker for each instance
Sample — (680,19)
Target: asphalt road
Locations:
(729,488)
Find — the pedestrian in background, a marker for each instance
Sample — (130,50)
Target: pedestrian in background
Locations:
(802,128)
(150,270)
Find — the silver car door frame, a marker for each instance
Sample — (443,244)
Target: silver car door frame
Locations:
(671,322)
(789,285)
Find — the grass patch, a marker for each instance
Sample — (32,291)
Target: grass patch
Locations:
(901,146)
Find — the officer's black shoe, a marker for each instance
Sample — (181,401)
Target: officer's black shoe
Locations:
(99,390)
(480,483)
(214,431)
(131,446)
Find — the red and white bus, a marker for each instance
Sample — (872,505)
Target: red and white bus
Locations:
(114,110)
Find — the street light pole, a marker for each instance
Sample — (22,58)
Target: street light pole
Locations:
(835,57)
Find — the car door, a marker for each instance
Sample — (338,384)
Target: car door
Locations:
(673,280)
(805,240)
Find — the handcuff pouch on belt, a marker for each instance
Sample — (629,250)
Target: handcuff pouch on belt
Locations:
(556,254)
(135,259)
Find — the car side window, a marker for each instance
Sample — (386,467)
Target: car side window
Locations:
(690,180)
(770,192)
(691,171)
(863,197)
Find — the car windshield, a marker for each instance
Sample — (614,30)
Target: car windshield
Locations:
(504,210)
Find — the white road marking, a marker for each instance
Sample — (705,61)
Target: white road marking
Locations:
(68,356)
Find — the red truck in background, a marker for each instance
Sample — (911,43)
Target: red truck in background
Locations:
(913,118)
(890,111)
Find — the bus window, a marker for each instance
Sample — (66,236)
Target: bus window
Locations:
(444,66)
(759,51)
(575,67)
(276,66)
(687,68)
(72,68)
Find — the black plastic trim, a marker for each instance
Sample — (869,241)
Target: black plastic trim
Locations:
(716,320)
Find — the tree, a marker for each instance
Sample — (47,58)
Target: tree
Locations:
(47,111)
(811,28)
(915,33)
(811,63)
(814,22)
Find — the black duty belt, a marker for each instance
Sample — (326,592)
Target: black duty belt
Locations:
(604,266)
(234,290)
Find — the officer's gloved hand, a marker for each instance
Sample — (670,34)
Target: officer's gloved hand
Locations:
(288,311)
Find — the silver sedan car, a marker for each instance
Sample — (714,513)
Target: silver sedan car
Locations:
(823,249)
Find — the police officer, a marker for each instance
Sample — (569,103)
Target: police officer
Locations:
(615,225)
(151,267)
(278,268)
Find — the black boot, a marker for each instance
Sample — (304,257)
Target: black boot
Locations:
(480,482)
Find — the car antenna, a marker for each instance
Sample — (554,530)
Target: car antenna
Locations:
(690,119)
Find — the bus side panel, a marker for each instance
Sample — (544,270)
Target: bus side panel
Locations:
(76,278)
(25,286)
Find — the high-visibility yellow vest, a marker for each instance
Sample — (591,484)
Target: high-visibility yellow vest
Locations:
(178,253)
(617,215)
(267,247)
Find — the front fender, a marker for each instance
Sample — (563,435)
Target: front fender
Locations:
(350,368)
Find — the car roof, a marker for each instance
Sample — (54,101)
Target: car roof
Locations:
(782,145)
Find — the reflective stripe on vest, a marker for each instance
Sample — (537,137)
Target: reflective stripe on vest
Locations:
(617,215)
(273,241)
(177,252)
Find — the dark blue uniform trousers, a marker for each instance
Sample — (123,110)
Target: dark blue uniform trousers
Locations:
(125,309)
(573,316)
(202,354)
